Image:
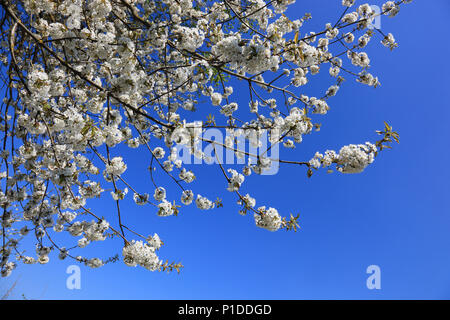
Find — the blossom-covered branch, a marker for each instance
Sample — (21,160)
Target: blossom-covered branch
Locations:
(83,78)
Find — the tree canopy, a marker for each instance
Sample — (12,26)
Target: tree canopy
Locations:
(84,78)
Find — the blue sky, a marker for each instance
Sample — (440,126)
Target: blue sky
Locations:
(396,214)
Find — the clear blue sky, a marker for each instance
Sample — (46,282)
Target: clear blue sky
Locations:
(395,215)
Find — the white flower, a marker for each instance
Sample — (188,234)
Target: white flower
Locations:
(216,98)
(187,176)
(159,153)
(165,209)
(228,109)
(139,253)
(83,242)
(119,194)
(204,203)
(248,203)
(235,181)
(140,199)
(160,194)
(95,230)
(154,241)
(94,263)
(189,38)
(116,166)
(268,219)
(389,41)
(348,3)
(187,197)
(355,158)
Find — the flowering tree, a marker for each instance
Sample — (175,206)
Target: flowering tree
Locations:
(84,77)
